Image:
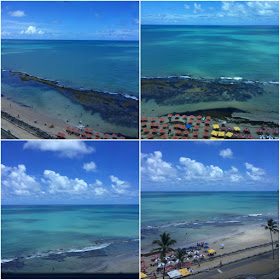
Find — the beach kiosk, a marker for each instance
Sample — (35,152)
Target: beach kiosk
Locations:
(174,274)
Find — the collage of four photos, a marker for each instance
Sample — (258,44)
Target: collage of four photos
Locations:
(139,139)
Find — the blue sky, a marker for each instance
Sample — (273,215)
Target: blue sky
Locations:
(209,166)
(77,20)
(210,12)
(72,172)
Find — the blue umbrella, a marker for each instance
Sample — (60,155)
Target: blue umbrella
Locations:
(191,247)
(199,245)
(184,249)
(206,247)
(205,243)
(188,126)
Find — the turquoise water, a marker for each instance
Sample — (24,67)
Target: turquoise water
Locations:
(231,54)
(202,214)
(36,232)
(250,52)
(99,65)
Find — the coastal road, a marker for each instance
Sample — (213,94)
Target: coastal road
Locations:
(261,266)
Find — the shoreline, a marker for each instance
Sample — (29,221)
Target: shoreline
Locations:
(244,242)
(18,120)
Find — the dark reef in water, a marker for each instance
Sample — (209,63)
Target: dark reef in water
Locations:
(114,108)
(176,90)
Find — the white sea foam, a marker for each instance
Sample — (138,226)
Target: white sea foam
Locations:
(6,260)
(254,215)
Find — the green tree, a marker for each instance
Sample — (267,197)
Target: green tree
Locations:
(273,228)
(180,255)
(164,246)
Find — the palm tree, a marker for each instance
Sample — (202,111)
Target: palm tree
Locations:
(273,228)
(180,255)
(164,244)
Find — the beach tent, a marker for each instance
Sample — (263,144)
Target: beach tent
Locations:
(143,275)
(174,274)
(161,264)
(211,251)
(184,271)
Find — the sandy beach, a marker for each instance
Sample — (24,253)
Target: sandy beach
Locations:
(24,125)
(202,126)
(246,241)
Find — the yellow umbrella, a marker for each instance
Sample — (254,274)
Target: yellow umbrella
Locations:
(143,275)
(212,138)
(184,271)
(236,128)
(229,134)
(216,126)
(221,134)
(211,251)
(214,133)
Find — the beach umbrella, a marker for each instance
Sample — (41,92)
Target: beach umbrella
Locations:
(223,128)
(222,245)
(191,247)
(143,275)
(161,120)
(186,132)
(198,121)
(188,126)
(236,135)
(177,261)
(165,125)
(205,243)
(206,128)
(196,127)
(161,265)
(144,262)
(262,137)
(186,259)
(208,118)
(207,122)
(190,120)
(250,137)
(202,256)
(175,137)
(187,264)
(154,130)
(191,116)
(229,128)
(153,119)
(170,262)
(184,248)
(199,117)
(150,136)
(242,136)
(122,137)
(156,260)
(168,268)
(166,258)
(146,130)
(154,256)
(144,267)
(259,131)
(177,116)
(206,247)
(246,130)
(113,135)
(144,124)
(163,137)
(195,257)
(195,133)
(269,137)
(169,115)
(196,252)
(276,131)
(172,256)
(184,116)
(144,119)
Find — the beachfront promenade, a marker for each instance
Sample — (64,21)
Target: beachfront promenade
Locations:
(201,267)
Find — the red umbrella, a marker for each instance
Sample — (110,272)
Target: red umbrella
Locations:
(178,132)
(177,116)
(144,124)
(122,137)
(170,116)
(98,134)
(146,130)
(73,130)
(78,132)
(144,267)
(196,127)
(171,252)
(162,131)
(243,136)
(187,264)
(175,137)
(83,134)
(190,121)
(90,131)
(150,136)
(195,133)
(176,126)
(250,137)
(247,130)
(114,135)
(144,119)
(275,131)
(106,136)
(88,136)
(154,256)
(205,134)
(198,121)
(156,125)
(267,131)
(165,125)
(207,122)
(186,132)
(236,135)
(144,262)
(184,138)
(163,137)
(223,128)
(206,128)
(199,117)
(260,131)
(184,116)
(161,119)
(154,130)
(208,118)
(191,116)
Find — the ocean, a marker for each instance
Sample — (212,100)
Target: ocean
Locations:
(109,67)
(192,217)
(229,54)
(68,237)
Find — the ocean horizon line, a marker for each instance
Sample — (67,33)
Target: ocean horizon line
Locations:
(70,204)
(100,40)
(206,191)
(206,25)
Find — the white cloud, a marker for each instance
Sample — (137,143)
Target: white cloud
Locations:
(32,30)
(254,173)
(156,169)
(227,153)
(69,149)
(120,187)
(197,8)
(62,184)
(89,166)
(186,6)
(17,181)
(17,13)
(197,170)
